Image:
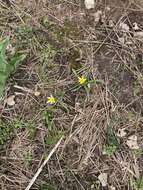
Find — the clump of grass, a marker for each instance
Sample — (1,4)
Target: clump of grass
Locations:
(137,184)
(31,128)
(112,142)
(54,134)
(24,35)
(28,158)
(47,186)
(48,118)
(7,130)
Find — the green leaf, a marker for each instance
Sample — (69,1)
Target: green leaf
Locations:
(109,150)
(14,62)
(112,142)
(3,45)
(75,72)
(7,67)
(95,81)
(137,184)
(48,187)
(48,117)
(3,61)
(111,137)
(53,137)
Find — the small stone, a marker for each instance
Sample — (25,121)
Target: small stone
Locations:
(10,100)
(103,179)
(89,4)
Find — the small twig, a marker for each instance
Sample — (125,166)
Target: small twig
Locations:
(42,166)
(23,89)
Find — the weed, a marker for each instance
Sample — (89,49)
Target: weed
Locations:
(138,152)
(28,158)
(57,102)
(5,132)
(7,129)
(30,126)
(85,83)
(51,100)
(17,124)
(112,142)
(82,80)
(47,53)
(7,66)
(60,101)
(47,187)
(48,118)
(109,150)
(24,36)
(111,137)
(53,137)
(53,134)
(95,185)
(137,184)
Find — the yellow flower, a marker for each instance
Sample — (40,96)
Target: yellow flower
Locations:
(51,100)
(82,80)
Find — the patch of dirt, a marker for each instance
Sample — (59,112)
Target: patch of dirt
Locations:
(136,17)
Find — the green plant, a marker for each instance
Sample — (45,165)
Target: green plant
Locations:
(137,184)
(53,134)
(95,185)
(7,129)
(25,37)
(47,53)
(112,142)
(109,150)
(31,129)
(53,137)
(28,158)
(111,137)
(84,82)
(17,124)
(138,152)
(48,118)
(7,65)
(47,187)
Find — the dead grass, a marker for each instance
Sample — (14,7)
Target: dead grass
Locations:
(59,36)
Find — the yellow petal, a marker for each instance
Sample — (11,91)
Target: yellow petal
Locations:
(51,100)
(82,80)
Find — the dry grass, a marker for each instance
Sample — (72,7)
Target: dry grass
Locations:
(59,36)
